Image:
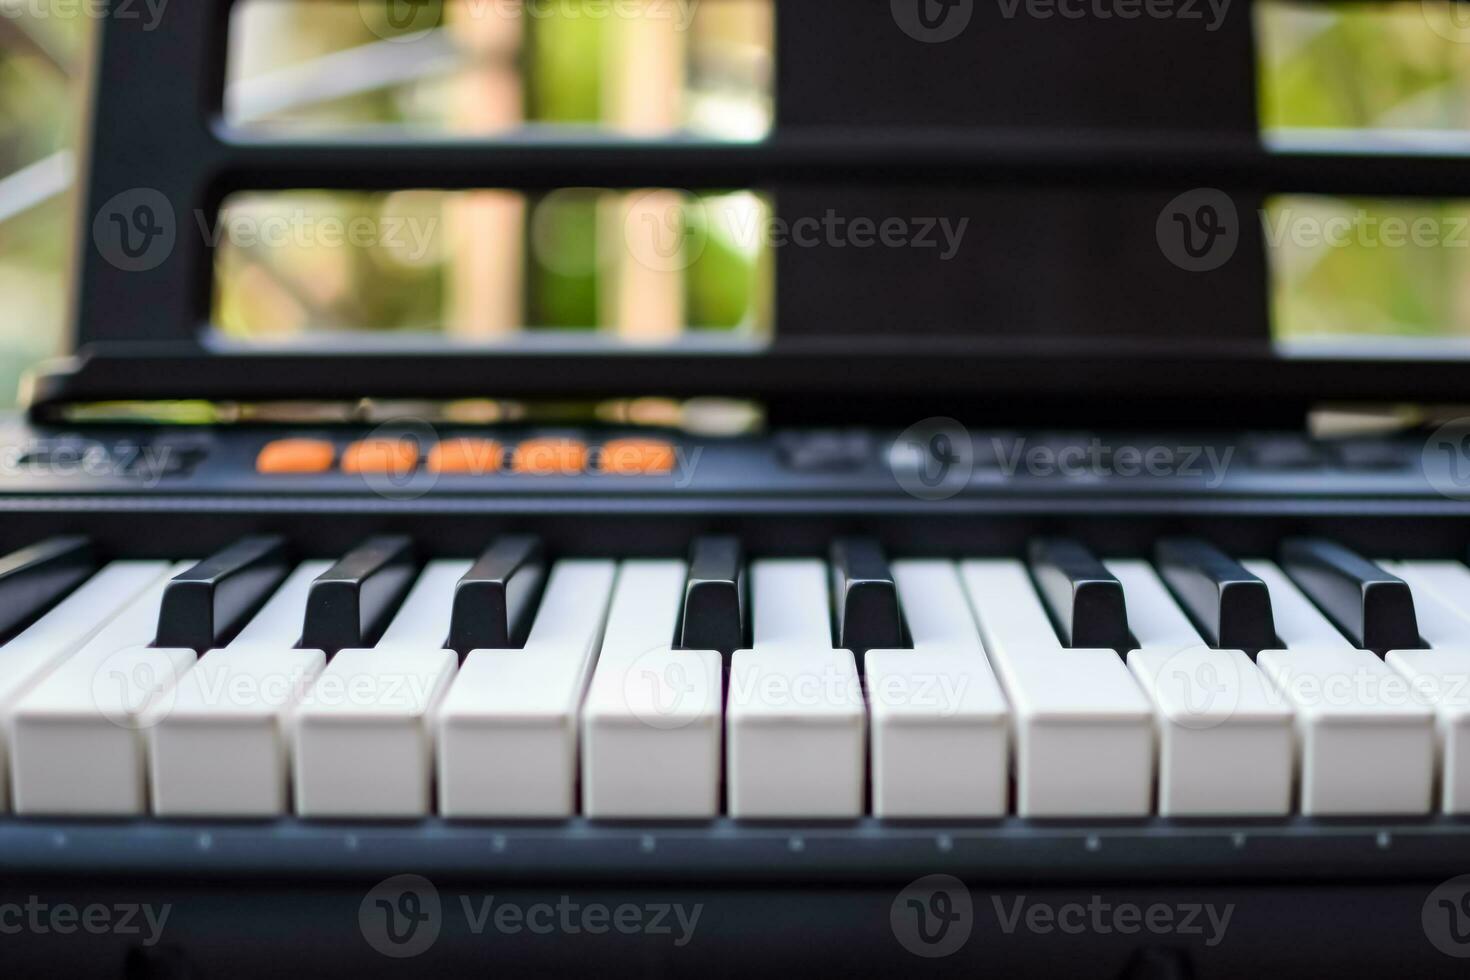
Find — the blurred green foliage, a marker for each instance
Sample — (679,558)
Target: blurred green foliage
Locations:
(1348,65)
(565,87)
(1402,70)
(555,68)
(39,93)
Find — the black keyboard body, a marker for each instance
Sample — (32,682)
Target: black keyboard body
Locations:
(818,896)
(1066,144)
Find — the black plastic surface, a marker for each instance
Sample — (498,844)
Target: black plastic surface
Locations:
(1231,607)
(350,603)
(36,577)
(495,601)
(205,605)
(1374,608)
(865,610)
(1085,599)
(714,614)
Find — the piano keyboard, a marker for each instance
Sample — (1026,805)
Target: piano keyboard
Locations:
(1190,683)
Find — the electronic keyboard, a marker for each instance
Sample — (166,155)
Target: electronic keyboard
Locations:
(501,678)
(573,659)
(1038,611)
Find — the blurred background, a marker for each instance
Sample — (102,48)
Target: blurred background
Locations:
(487,265)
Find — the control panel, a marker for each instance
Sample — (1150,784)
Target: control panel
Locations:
(936,461)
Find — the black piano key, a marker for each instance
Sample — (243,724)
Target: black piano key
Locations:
(865,599)
(495,601)
(1085,599)
(714,597)
(35,578)
(1373,608)
(1230,606)
(204,606)
(350,603)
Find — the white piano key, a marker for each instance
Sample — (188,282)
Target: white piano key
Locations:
(651,724)
(1225,739)
(224,749)
(1154,618)
(46,644)
(279,621)
(1299,624)
(507,732)
(1446,622)
(423,619)
(363,735)
(1440,676)
(789,617)
(78,735)
(796,741)
(1365,745)
(939,721)
(1084,729)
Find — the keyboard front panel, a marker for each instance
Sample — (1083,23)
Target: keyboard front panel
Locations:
(907,645)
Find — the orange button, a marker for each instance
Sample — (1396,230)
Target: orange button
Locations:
(396,457)
(550,457)
(473,456)
(637,457)
(296,456)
